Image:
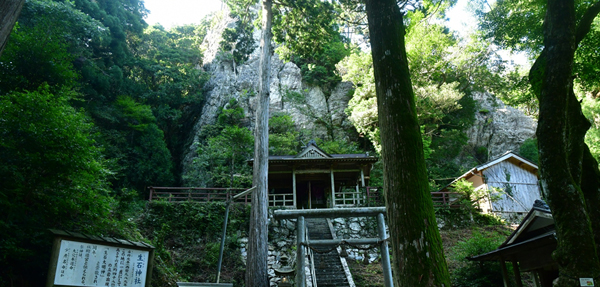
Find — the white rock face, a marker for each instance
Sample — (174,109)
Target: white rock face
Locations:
(229,80)
(498,127)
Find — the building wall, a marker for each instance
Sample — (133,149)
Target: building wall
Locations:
(519,185)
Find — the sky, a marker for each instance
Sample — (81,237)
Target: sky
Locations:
(171,13)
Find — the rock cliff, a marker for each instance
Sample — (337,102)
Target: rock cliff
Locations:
(230,80)
(499,127)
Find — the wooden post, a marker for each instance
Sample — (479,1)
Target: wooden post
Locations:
(355,195)
(332,188)
(362,176)
(294,186)
(517,273)
(309,195)
(258,249)
(504,273)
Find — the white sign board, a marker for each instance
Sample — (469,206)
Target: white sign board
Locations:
(586,281)
(87,264)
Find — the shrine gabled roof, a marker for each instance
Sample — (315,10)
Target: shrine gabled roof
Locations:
(334,157)
(312,153)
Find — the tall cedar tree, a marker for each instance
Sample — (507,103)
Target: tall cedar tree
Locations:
(418,259)
(570,177)
(256,271)
(9,12)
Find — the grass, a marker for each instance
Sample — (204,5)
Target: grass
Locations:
(371,275)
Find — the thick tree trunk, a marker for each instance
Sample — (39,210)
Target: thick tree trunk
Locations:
(418,259)
(9,13)
(256,266)
(560,139)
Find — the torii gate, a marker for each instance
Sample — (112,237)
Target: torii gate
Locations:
(302,242)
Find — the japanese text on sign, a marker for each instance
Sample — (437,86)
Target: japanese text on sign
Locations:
(86,264)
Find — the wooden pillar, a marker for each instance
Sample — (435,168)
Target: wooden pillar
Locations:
(294,187)
(362,176)
(309,195)
(332,187)
(517,273)
(355,195)
(504,273)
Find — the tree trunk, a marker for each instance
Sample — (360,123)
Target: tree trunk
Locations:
(418,258)
(560,138)
(256,266)
(9,13)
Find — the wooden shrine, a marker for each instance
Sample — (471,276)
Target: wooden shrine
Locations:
(316,179)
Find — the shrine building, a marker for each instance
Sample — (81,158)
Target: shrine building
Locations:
(316,179)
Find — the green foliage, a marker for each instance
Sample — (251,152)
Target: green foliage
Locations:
(591,109)
(53,175)
(135,144)
(222,157)
(168,81)
(239,41)
(585,56)
(45,43)
(308,33)
(529,150)
(187,241)
(338,146)
(283,136)
(473,274)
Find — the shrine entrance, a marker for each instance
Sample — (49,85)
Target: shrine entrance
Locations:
(313,194)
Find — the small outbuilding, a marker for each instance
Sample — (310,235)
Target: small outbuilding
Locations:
(529,248)
(513,175)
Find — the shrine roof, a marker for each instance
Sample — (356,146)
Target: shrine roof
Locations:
(312,153)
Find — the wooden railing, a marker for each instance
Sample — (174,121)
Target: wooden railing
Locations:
(371,196)
(374,197)
(445,198)
(284,199)
(201,194)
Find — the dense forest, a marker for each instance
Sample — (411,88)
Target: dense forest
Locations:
(96,105)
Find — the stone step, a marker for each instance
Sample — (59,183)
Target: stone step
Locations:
(328,267)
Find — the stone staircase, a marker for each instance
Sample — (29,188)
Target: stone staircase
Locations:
(328,267)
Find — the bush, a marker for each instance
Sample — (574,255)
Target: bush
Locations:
(475,274)
(187,240)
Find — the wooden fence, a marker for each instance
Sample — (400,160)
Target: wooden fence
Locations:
(371,196)
(201,194)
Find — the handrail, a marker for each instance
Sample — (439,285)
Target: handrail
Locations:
(244,193)
(313,273)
